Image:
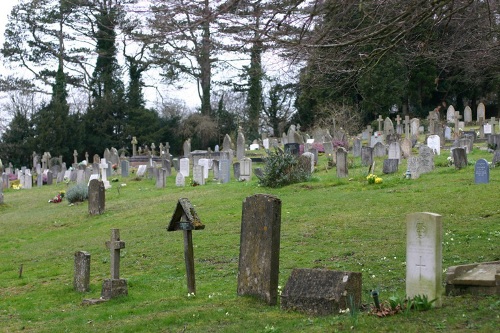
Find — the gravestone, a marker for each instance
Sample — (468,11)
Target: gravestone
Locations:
(236,170)
(481,112)
(227,144)
(424,235)
(342,162)
(259,173)
(450,114)
(306,162)
(291,134)
(406,147)
(378,137)
(366,156)
(161,178)
(434,143)
(184,166)
(240,145)
(115,286)
(50,177)
(413,166)
(388,126)
(356,147)
(467,115)
(224,171)
(198,174)
(395,151)
(205,162)
(390,166)
(141,170)
(80,177)
(28,180)
(447,133)
(258,268)
(216,169)
(414,126)
(97,197)
(426,159)
(482,172)
(245,169)
(180,181)
(322,292)
(81,280)
(125,167)
(487,128)
(292,149)
(379,150)
(476,279)
(459,157)
(1,190)
(186,148)
(496,157)
(103,167)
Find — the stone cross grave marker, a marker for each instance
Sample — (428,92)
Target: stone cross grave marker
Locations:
(104,166)
(186,219)
(424,256)
(134,146)
(258,268)
(380,120)
(240,145)
(75,157)
(81,280)
(115,286)
(482,172)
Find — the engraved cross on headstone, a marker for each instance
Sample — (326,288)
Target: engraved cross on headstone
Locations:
(114,246)
(407,126)
(420,265)
(380,121)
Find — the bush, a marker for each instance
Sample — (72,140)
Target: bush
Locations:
(77,193)
(282,169)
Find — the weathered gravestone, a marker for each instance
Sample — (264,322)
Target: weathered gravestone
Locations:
(50,177)
(115,286)
(246,169)
(240,145)
(322,292)
(97,197)
(186,219)
(224,171)
(424,256)
(184,166)
(81,280)
(459,157)
(395,151)
(388,126)
(1,190)
(482,172)
(306,162)
(476,279)
(447,133)
(205,162)
(180,180)
(390,166)
(237,170)
(406,147)
(356,148)
(496,157)
(258,268)
(292,149)
(125,167)
(198,177)
(450,114)
(161,178)
(379,150)
(342,163)
(366,156)
(481,112)
(80,176)
(186,147)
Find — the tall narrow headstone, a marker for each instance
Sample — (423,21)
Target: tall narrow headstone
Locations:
(184,166)
(366,156)
(161,178)
(246,169)
(467,114)
(224,171)
(124,167)
(97,197)
(81,280)
(356,148)
(481,112)
(258,269)
(482,172)
(450,114)
(198,177)
(424,256)
(240,145)
(342,162)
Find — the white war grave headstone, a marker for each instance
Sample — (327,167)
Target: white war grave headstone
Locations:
(424,256)
(450,114)
(184,166)
(434,143)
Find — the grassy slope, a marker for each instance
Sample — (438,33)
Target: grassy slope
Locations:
(326,223)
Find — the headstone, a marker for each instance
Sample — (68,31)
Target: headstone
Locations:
(434,143)
(459,158)
(205,162)
(291,134)
(258,269)
(216,169)
(186,147)
(240,145)
(227,144)
(450,114)
(487,128)
(80,176)
(424,256)
(198,174)
(395,151)
(426,156)
(380,120)
(81,280)
(379,150)
(245,169)
(366,156)
(97,197)
(115,286)
(180,180)
(482,172)
(328,147)
(141,170)
(390,166)
(28,180)
(475,279)
(104,166)
(481,112)
(467,115)
(236,170)
(356,147)
(161,178)
(414,125)
(406,147)
(388,126)
(265,143)
(378,137)
(224,171)
(322,292)
(306,162)
(184,166)
(292,149)
(496,157)
(447,133)
(50,177)
(342,163)
(124,167)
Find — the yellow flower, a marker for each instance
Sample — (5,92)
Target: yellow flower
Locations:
(378,180)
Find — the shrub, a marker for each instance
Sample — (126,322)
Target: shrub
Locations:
(77,193)
(282,169)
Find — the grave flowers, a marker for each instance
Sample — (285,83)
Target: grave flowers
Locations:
(374,179)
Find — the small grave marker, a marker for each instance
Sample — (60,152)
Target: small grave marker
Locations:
(81,281)
(97,197)
(115,286)
(186,219)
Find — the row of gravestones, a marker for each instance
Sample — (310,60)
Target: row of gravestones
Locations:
(313,291)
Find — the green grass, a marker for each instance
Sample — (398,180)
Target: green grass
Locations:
(341,224)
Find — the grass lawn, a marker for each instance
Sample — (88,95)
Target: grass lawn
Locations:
(339,224)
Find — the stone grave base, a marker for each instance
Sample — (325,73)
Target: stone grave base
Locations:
(114,287)
(474,279)
(321,292)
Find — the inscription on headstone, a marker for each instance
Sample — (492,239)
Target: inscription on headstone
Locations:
(482,172)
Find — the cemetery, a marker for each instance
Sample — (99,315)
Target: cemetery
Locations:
(382,224)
